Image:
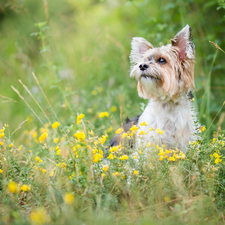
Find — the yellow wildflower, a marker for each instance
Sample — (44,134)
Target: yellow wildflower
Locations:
(10,145)
(171,158)
(55,125)
(56,140)
(1,171)
(81,116)
(116,174)
(80,135)
(37,159)
(25,187)
(134,128)
(218,160)
(43,136)
(124,135)
(103,139)
(94,92)
(120,130)
(1,143)
(39,216)
(142,133)
(123,157)
(13,187)
(151,129)
(43,171)
(143,124)
(51,174)
(148,145)
(68,198)
(2,135)
(135,172)
(203,129)
(103,114)
(135,157)
(113,108)
(111,156)
(105,168)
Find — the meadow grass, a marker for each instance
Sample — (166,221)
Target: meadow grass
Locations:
(68,68)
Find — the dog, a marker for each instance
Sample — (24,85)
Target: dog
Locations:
(165,77)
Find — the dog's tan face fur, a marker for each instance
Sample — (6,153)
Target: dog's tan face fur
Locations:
(166,72)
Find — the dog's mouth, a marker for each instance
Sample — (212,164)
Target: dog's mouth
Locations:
(149,76)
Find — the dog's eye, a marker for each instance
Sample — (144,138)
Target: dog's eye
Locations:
(161,61)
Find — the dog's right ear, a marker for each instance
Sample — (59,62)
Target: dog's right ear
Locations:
(138,47)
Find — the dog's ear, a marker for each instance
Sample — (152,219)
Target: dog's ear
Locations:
(138,47)
(183,41)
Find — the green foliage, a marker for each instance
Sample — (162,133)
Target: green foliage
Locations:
(77,61)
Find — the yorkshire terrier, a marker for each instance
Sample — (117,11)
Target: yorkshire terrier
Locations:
(165,76)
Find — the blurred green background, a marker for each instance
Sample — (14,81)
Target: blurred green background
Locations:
(81,57)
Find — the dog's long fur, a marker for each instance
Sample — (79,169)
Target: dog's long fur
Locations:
(165,76)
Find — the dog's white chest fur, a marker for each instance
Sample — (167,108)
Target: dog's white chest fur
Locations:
(176,120)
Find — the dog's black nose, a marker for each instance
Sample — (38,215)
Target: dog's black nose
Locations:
(143,66)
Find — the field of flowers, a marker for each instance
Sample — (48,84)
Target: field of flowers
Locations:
(65,92)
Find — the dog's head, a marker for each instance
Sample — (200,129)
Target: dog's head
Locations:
(166,72)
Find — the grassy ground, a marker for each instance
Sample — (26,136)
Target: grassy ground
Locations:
(65,89)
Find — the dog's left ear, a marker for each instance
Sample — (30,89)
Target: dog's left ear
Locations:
(183,41)
(138,48)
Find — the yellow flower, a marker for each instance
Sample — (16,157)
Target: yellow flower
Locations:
(37,159)
(142,133)
(113,108)
(105,168)
(55,125)
(103,114)
(151,129)
(25,187)
(111,156)
(171,158)
(2,130)
(167,199)
(10,145)
(51,174)
(135,157)
(148,145)
(123,157)
(43,171)
(103,139)
(97,157)
(203,129)
(43,136)
(109,130)
(143,124)
(134,128)
(218,160)
(161,158)
(135,172)
(2,135)
(68,198)
(80,135)
(120,130)
(13,187)
(116,174)
(81,116)
(39,216)
(94,92)
(56,140)
(124,135)
(1,171)
(1,143)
